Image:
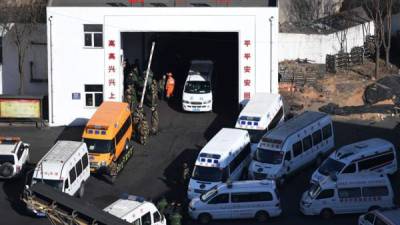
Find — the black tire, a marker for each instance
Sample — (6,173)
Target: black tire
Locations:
(81,190)
(6,170)
(261,216)
(204,218)
(372,208)
(327,213)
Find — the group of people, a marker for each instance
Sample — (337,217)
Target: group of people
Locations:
(134,83)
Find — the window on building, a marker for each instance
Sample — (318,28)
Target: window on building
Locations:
(93,95)
(93,35)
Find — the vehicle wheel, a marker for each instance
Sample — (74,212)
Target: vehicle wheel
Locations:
(81,190)
(318,160)
(6,170)
(326,213)
(372,208)
(204,218)
(261,216)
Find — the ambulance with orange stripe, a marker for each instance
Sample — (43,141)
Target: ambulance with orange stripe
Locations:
(108,138)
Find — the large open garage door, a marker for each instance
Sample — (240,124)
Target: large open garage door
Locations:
(175,50)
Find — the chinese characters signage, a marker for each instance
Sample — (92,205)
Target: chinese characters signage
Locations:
(247,69)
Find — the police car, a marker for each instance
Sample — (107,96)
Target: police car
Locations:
(14,154)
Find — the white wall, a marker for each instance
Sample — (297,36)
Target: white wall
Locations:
(315,47)
(73,65)
(36,53)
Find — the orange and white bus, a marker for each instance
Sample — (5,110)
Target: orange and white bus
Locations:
(108,137)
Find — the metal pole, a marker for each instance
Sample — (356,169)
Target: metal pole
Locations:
(51,94)
(147,74)
(270,55)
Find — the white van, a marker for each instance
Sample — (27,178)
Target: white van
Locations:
(262,113)
(348,193)
(135,210)
(369,155)
(292,145)
(197,92)
(237,200)
(380,217)
(224,157)
(65,167)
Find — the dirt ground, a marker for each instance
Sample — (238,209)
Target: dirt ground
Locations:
(345,88)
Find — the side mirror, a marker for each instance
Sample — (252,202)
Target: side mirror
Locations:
(26,145)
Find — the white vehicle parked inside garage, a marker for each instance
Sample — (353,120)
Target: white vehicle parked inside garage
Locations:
(348,193)
(224,157)
(262,113)
(380,217)
(136,210)
(292,145)
(237,200)
(197,93)
(65,167)
(373,154)
(14,154)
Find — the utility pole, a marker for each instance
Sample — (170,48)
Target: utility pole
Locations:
(147,74)
(270,54)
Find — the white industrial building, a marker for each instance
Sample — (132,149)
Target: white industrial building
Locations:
(87,45)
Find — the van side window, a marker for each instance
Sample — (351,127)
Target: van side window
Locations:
(251,197)
(350,168)
(146,219)
(222,198)
(349,192)
(327,131)
(276,119)
(72,175)
(376,161)
(328,193)
(78,167)
(123,130)
(297,149)
(136,222)
(375,191)
(317,137)
(239,158)
(156,217)
(20,151)
(307,143)
(85,161)
(66,184)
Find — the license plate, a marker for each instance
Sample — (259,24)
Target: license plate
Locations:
(196,110)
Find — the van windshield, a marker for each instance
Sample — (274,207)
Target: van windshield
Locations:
(314,190)
(210,174)
(56,184)
(330,166)
(6,158)
(99,146)
(256,135)
(197,87)
(269,156)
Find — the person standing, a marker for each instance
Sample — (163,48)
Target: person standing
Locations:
(176,217)
(143,129)
(154,93)
(161,87)
(154,121)
(170,86)
(185,174)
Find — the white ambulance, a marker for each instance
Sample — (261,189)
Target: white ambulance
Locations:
(261,113)
(65,167)
(237,200)
(135,210)
(373,154)
(289,147)
(14,154)
(348,193)
(197,93)
(224,157)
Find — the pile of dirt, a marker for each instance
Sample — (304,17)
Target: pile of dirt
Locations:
(343,89)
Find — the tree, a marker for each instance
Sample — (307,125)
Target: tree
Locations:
(375,10)
(387,36)
(18,22)
(304,10)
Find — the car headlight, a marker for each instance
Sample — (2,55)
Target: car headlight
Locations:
(186,102)
(191,206)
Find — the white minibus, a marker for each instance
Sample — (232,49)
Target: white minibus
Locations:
(373,154)
(348,193)
(292,145)
(224,157)
(237,200)
(262,113)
